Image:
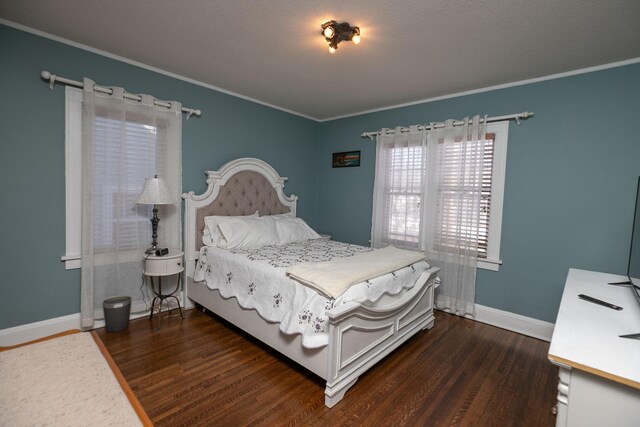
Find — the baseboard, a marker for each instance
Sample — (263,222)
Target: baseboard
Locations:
(491,316)
(37,330)
(514,322)
(33,331)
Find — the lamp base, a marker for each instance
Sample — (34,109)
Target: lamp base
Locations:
(157,251)
(154,232)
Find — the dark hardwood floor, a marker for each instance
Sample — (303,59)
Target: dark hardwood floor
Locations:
(204,371)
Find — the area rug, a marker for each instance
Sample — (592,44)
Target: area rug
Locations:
(69,380)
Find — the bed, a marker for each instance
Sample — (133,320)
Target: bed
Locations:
(357,334)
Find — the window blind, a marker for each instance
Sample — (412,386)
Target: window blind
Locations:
(485,195)
(459,210)
(133,147)
(403,191)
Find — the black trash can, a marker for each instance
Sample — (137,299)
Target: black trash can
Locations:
(116,313)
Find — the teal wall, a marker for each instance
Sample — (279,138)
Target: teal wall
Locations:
(570,186)
(35,286)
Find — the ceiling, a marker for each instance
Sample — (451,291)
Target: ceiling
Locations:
(272,51)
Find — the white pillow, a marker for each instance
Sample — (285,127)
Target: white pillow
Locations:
(211,235)
(248,232)
(294,230)
(282,215)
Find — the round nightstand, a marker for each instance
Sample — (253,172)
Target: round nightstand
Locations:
(162,266)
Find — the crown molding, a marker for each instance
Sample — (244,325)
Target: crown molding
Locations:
(145,66)
(315,119)
(491,88)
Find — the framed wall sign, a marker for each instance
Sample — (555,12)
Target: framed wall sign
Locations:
(346,159)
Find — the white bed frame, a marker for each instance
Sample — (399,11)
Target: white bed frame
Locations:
(359,336)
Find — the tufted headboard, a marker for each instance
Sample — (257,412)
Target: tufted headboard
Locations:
(243,194)
(240,187)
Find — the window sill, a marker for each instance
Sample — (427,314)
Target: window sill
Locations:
(490,264)
(71,262)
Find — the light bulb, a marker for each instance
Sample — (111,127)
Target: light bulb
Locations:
(356,39)
(329,32)
(332,49)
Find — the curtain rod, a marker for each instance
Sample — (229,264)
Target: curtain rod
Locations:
(516,117)
(52,78)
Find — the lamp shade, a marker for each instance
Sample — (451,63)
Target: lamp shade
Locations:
(155,192)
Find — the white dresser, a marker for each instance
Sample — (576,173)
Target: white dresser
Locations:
(599,371)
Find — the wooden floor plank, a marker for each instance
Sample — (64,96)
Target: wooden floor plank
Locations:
(204,371)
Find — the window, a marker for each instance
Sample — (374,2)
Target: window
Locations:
(140,152)
(402,200)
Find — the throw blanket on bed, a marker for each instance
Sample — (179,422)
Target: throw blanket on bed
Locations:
(333,277)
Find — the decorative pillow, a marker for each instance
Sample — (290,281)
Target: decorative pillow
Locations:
(211,235)
(248,232)
(294,230)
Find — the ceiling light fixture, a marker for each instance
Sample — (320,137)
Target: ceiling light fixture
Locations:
(335,33)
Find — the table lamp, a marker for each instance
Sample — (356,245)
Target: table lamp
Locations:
(155,193)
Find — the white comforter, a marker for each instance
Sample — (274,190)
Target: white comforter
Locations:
(257,278)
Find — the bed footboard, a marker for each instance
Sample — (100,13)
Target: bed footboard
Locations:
(360,336)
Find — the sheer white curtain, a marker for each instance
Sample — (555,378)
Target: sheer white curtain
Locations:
(398,188)
(450,218)
(124,142)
